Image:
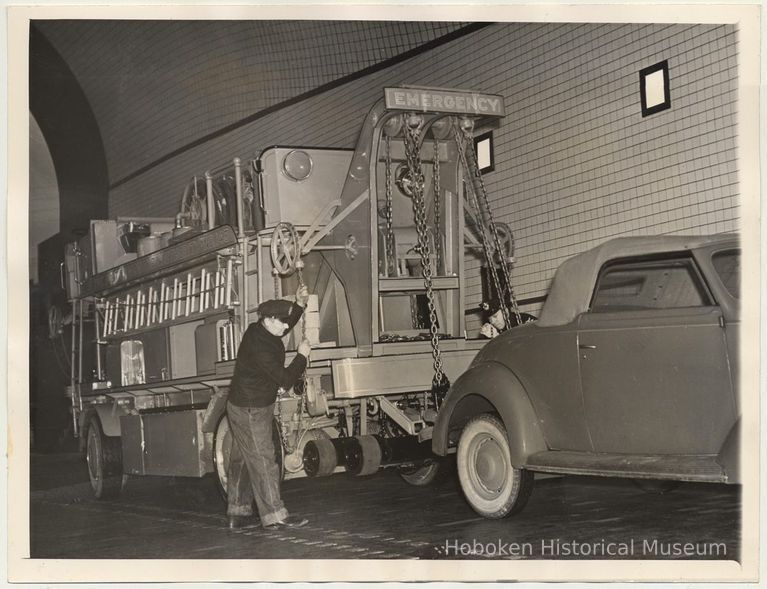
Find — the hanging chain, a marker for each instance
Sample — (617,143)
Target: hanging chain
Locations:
(391,262)
(460,137)
(496,238)
(437,202)
(300,407)
(412,154)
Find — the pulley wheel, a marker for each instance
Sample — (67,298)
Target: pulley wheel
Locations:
(404,181)
(320,458)
(506,239)
(366,457)
(285,249)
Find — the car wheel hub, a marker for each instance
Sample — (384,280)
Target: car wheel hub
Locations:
(489,466)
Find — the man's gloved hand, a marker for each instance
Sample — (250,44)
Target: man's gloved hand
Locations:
(302,295)
(488,330)
(304,348)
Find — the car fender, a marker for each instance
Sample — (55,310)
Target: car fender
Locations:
(729,455)
(491,387)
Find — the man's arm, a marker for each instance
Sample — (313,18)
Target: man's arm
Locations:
(295,314)
(284,376)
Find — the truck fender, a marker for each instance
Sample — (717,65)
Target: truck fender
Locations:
(729,455)
(109,417)
(215,409)
(487,388)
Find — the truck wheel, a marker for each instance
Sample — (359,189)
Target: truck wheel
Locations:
(492,486)
(104,457)
(222,448)
(421,475)
(366,459)
(320,458)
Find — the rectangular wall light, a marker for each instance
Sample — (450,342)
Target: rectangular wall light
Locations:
(483,147)
(654,88)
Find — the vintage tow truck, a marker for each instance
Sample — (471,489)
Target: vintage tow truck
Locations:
(379,234)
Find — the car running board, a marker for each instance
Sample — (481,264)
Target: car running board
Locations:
(681,468)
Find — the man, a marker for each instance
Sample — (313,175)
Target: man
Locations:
(259,373)
(495,323)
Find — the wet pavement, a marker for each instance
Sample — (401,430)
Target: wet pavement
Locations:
(379,517)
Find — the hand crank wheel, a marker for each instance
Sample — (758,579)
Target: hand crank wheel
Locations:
(285,248)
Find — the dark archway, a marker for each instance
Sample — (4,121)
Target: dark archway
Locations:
(69,126)
(67,121)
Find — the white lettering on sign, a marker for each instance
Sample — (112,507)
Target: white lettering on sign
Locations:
(447,101)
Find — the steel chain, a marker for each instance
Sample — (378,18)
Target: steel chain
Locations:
(496,238)
(437,201)
(460,137)
(391,262)
(412,154)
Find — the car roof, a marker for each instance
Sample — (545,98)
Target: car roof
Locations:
(574,280)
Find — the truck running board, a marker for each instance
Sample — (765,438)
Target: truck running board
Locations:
(686,468)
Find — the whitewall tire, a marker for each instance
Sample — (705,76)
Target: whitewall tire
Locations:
(491,485)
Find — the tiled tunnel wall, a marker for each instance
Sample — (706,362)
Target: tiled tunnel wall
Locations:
(575,162)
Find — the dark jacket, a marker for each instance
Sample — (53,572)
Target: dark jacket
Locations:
(260,367)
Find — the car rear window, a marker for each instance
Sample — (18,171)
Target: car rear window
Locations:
(650,284)
(727,265)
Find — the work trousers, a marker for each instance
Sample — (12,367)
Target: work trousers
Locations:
(253,470)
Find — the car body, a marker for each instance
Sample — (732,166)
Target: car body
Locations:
(630,371)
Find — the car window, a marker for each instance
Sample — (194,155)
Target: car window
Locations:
(649,284)
(727,265)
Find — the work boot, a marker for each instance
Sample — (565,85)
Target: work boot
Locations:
(238,521)
(292,521)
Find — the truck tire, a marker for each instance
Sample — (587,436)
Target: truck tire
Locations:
(104,457)
(222,447)
(320,458)
(491,485)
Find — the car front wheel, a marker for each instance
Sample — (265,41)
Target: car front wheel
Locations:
(491,485)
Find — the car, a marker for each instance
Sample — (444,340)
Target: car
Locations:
(630,371)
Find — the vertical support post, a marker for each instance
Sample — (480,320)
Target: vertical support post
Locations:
(163,304)
(210,200)
(97,330)
(243,274)
(129,313)
(259,270)
(189,284)
(217,289)
(106,320)
(238,192)
(204,298)
(228,288)
(72,364)
(176,302)
(140,308)
(80,344)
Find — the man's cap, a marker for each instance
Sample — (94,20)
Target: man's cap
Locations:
(275,308)
(491,307)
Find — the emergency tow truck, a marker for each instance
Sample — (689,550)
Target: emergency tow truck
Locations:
(379,234)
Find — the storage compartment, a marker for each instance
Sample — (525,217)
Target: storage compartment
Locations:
(169,443)
(297,183)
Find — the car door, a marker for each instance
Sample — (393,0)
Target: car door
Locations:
(653,360)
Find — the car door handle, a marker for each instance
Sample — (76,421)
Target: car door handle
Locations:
(586,347)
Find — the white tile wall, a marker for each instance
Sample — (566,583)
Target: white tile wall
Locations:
(576,163)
